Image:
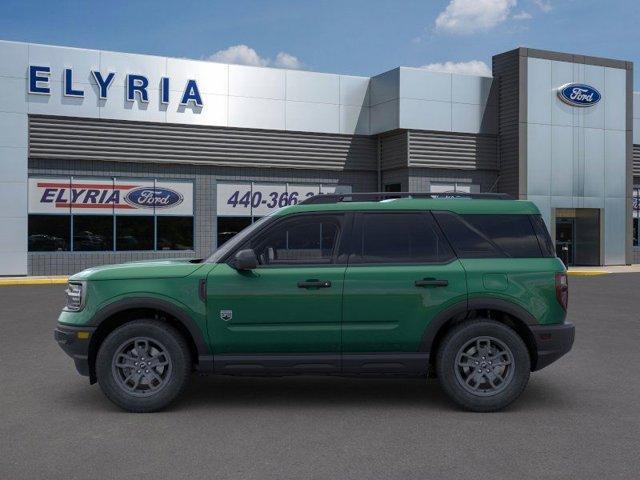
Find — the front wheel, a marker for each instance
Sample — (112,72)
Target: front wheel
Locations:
(483,365)
(143,365)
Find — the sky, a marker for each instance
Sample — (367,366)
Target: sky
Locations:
(356,37)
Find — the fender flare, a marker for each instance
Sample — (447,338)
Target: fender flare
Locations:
(129,303)
(459,308)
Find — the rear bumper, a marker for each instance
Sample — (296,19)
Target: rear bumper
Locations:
(74,345)
(552,342)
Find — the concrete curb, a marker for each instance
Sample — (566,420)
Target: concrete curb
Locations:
(587,273)
(50,280)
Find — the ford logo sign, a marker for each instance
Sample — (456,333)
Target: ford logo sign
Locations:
(579,95)
(149,197)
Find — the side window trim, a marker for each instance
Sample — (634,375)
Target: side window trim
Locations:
(337,217)
(355,259)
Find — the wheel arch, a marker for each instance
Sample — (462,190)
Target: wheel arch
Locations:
(126,310)
(503,311)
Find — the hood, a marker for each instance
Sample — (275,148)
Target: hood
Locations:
(140,270)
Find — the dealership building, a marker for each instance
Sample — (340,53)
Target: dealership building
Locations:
(110,157)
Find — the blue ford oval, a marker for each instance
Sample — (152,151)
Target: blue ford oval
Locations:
(579,95)
(149,197)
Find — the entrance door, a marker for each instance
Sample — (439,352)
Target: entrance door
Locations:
(565,228)
(578,236)
(290,304)
(401,273)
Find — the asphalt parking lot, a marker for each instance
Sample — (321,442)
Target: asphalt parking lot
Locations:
(578,419)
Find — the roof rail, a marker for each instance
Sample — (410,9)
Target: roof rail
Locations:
(379,196)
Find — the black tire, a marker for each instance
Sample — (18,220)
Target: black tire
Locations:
(118,382)
(458,351)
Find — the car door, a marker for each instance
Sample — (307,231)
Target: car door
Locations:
(290,305)
(401,273)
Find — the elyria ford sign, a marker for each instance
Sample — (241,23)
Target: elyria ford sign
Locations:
(62,195)
(136,86)
(579,95)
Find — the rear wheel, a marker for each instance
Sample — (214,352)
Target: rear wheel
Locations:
(143,365)
(483,365)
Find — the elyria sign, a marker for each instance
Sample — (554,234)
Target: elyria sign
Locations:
(579,95)
(136,86)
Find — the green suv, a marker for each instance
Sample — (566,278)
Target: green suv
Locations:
(467,289)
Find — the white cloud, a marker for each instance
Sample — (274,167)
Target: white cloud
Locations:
(245,55)
(469,16)
(543,5)
(473,67)
(522,16)
(240,54)
(286,60)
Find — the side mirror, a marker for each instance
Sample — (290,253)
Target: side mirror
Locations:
(245,260)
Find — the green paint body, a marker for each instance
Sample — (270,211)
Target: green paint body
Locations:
(369,308)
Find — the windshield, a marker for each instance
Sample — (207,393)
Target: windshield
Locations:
(237,240)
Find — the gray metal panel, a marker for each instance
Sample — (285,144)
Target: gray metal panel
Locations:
(394,150)
(506,71)
(636,161)
(453,150)
(140,142)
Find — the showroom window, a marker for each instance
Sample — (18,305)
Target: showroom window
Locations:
(109,214)
(92,233)
(174,233)
(49,233)
(134,233)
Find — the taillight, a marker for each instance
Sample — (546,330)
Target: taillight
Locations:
(562,289)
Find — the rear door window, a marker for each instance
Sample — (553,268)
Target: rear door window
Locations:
(490,236)
(399,238)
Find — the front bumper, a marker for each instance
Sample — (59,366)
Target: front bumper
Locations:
(75,343)
(552,342)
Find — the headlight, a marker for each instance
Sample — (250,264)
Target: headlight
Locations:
(75,296)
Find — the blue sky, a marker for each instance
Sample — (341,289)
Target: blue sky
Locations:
(353,37)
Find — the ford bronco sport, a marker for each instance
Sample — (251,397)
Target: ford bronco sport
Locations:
(467,289)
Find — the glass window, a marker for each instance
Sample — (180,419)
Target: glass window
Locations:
(513,234)
(175,233)
(49,233)
(92,233)
(228,227)
(544,239)
(401,238)
(466,240)
(490,236)
(301,240)
(635,232)
(134,233)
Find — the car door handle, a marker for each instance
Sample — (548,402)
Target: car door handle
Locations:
(431,282)
(314,284)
